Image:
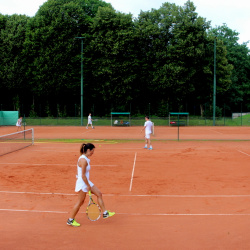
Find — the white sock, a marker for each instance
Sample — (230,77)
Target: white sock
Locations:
(146,145)
(105,212)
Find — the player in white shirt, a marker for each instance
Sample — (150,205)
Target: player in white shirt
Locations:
(148,125)
(89,121)
(19,123)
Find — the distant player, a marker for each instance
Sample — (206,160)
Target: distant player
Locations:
(19,123)
(148,125)
(89,121)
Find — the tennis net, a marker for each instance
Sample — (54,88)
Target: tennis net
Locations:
(16,141)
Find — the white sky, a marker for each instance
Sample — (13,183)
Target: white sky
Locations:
(236,13)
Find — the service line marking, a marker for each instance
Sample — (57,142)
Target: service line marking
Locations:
(129,214)
(52,164)
(139,195)
(133,170)
(243,152)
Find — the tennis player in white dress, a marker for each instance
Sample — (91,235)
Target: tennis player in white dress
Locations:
(19,123)
(83,184)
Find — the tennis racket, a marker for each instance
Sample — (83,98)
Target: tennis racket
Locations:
(93,211)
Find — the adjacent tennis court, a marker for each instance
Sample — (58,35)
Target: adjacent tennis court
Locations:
(187,194)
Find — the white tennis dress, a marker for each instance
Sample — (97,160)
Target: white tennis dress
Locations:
(80,184)
(19,122)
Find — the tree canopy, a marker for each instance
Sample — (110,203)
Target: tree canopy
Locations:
(164,57)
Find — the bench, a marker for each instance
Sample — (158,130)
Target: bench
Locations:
(121,123)
(178,123)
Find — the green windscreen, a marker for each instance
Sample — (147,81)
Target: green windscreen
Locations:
(8,118)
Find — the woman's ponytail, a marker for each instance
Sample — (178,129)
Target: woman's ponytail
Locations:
(84,147)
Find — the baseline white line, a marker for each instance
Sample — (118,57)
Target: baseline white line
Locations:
(132,176)
(146,195)
(243,152)
(131,214)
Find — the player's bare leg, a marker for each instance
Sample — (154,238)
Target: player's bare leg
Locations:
(98,194)
(100,201)
(81,198)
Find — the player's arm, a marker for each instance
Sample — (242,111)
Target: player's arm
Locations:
(143,128)
(83,164)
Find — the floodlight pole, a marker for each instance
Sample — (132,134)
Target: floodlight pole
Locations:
(81,38)
(214,96)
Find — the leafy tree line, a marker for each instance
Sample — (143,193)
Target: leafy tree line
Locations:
(159,62)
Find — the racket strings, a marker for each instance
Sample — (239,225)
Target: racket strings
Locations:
(93,212)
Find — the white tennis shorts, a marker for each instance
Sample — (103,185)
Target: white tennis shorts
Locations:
(147,135)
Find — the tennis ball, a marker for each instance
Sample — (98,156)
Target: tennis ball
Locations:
(100,145)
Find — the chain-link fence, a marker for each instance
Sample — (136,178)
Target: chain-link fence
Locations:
(241,120)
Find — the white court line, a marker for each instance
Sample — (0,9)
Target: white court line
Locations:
(243,152)
(33,211)
(132,176)
(56,151)
(53,164)
(215,131)
(13,192)
(139,195)
(88,131)
(130,214)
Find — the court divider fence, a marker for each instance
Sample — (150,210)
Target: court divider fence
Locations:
(240,120)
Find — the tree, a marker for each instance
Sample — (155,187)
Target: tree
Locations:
(173,48)
(53,51)
(13,66)
(112,58)
(238,56)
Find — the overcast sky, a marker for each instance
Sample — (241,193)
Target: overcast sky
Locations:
(236,13)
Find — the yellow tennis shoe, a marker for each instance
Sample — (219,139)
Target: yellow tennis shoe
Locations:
(108,214)
(73,223)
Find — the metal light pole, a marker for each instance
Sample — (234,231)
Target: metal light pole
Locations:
(214,99)
(81,38)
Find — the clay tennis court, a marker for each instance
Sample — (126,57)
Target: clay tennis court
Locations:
(187,194)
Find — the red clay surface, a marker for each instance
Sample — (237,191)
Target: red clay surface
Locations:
(161,133)
(184,195)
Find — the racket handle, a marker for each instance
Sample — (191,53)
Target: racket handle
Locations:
(89,192)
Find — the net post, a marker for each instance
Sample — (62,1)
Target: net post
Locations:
(24,123)
(178,128)
(32,136)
